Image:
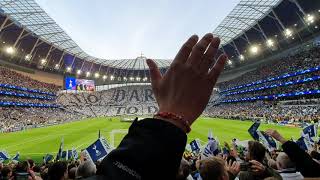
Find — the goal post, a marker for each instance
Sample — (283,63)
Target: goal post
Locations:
(113,134)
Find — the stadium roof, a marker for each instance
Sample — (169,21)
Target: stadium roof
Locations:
(245,15)
(31,16)
(253,30)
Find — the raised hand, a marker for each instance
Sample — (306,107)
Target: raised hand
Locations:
(276,135)
(186,87)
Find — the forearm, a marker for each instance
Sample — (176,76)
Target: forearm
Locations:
(151,147)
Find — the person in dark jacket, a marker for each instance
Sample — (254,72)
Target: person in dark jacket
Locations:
(257,169)
(153,147)
(304,162)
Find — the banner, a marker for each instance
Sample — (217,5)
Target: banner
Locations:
(253,131)
(267,140)
(98,150)
(195,145)
(4,156)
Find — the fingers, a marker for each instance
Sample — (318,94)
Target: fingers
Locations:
(208,57)
(186,49)
(155,74)
(217,68)
(199,49)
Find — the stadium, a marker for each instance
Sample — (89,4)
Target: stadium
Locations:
(65,114)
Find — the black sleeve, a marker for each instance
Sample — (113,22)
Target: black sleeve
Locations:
(152,149)
(305,164)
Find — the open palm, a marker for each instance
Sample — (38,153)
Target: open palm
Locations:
(186,87)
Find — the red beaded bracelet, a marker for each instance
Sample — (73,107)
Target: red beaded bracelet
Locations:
(175,117)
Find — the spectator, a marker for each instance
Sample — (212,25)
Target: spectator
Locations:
(86,169)
(6,173)
(304,162)
(255,168)
(58,171)
(287,168)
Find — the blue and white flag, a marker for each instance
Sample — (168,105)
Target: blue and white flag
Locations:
(310,131)
(59,154)
(267,141)
(4,156)
(98,150)
(67,155)
(47,158)
(212,147)
(15,159)
(304,143)
(75,154)
(253,131)
(195,145)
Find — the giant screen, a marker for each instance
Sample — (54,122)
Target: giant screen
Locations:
(72,83)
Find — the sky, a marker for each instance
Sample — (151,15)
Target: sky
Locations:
(121,29)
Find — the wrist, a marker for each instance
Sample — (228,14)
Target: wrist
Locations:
(174,119)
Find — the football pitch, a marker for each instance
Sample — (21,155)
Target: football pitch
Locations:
(36,143)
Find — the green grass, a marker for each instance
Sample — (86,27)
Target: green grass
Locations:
(35,143)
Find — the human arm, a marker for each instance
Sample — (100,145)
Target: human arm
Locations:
(153,148)
(304,163)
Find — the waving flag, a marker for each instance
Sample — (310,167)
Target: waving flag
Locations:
(195,145)
(15,159)
(310,131)
(212,147)
(304,143)
(59,154)
(47,158)
(4,156)
(75,154)
(98,150)
(253,131)
(267,140)
(67,155)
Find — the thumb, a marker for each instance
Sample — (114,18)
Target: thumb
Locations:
(155,74)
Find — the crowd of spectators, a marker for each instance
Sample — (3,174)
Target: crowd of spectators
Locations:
(20,118)
(266,111)
(300,61)
(11,77)
(251,161)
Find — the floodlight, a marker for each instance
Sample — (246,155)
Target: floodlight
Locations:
(88,74)
(138,78)
(288,32)
(124,78)
(270,43)
(241,57)
(43,61)
(104,77)
(254,49)
(131,78)
(316,27)
(96,75)
(79,71)
(10,50)
(56,66)
(68,69)
(230,62)
(112,78)
(145,79)
(28,57)
(310,19)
